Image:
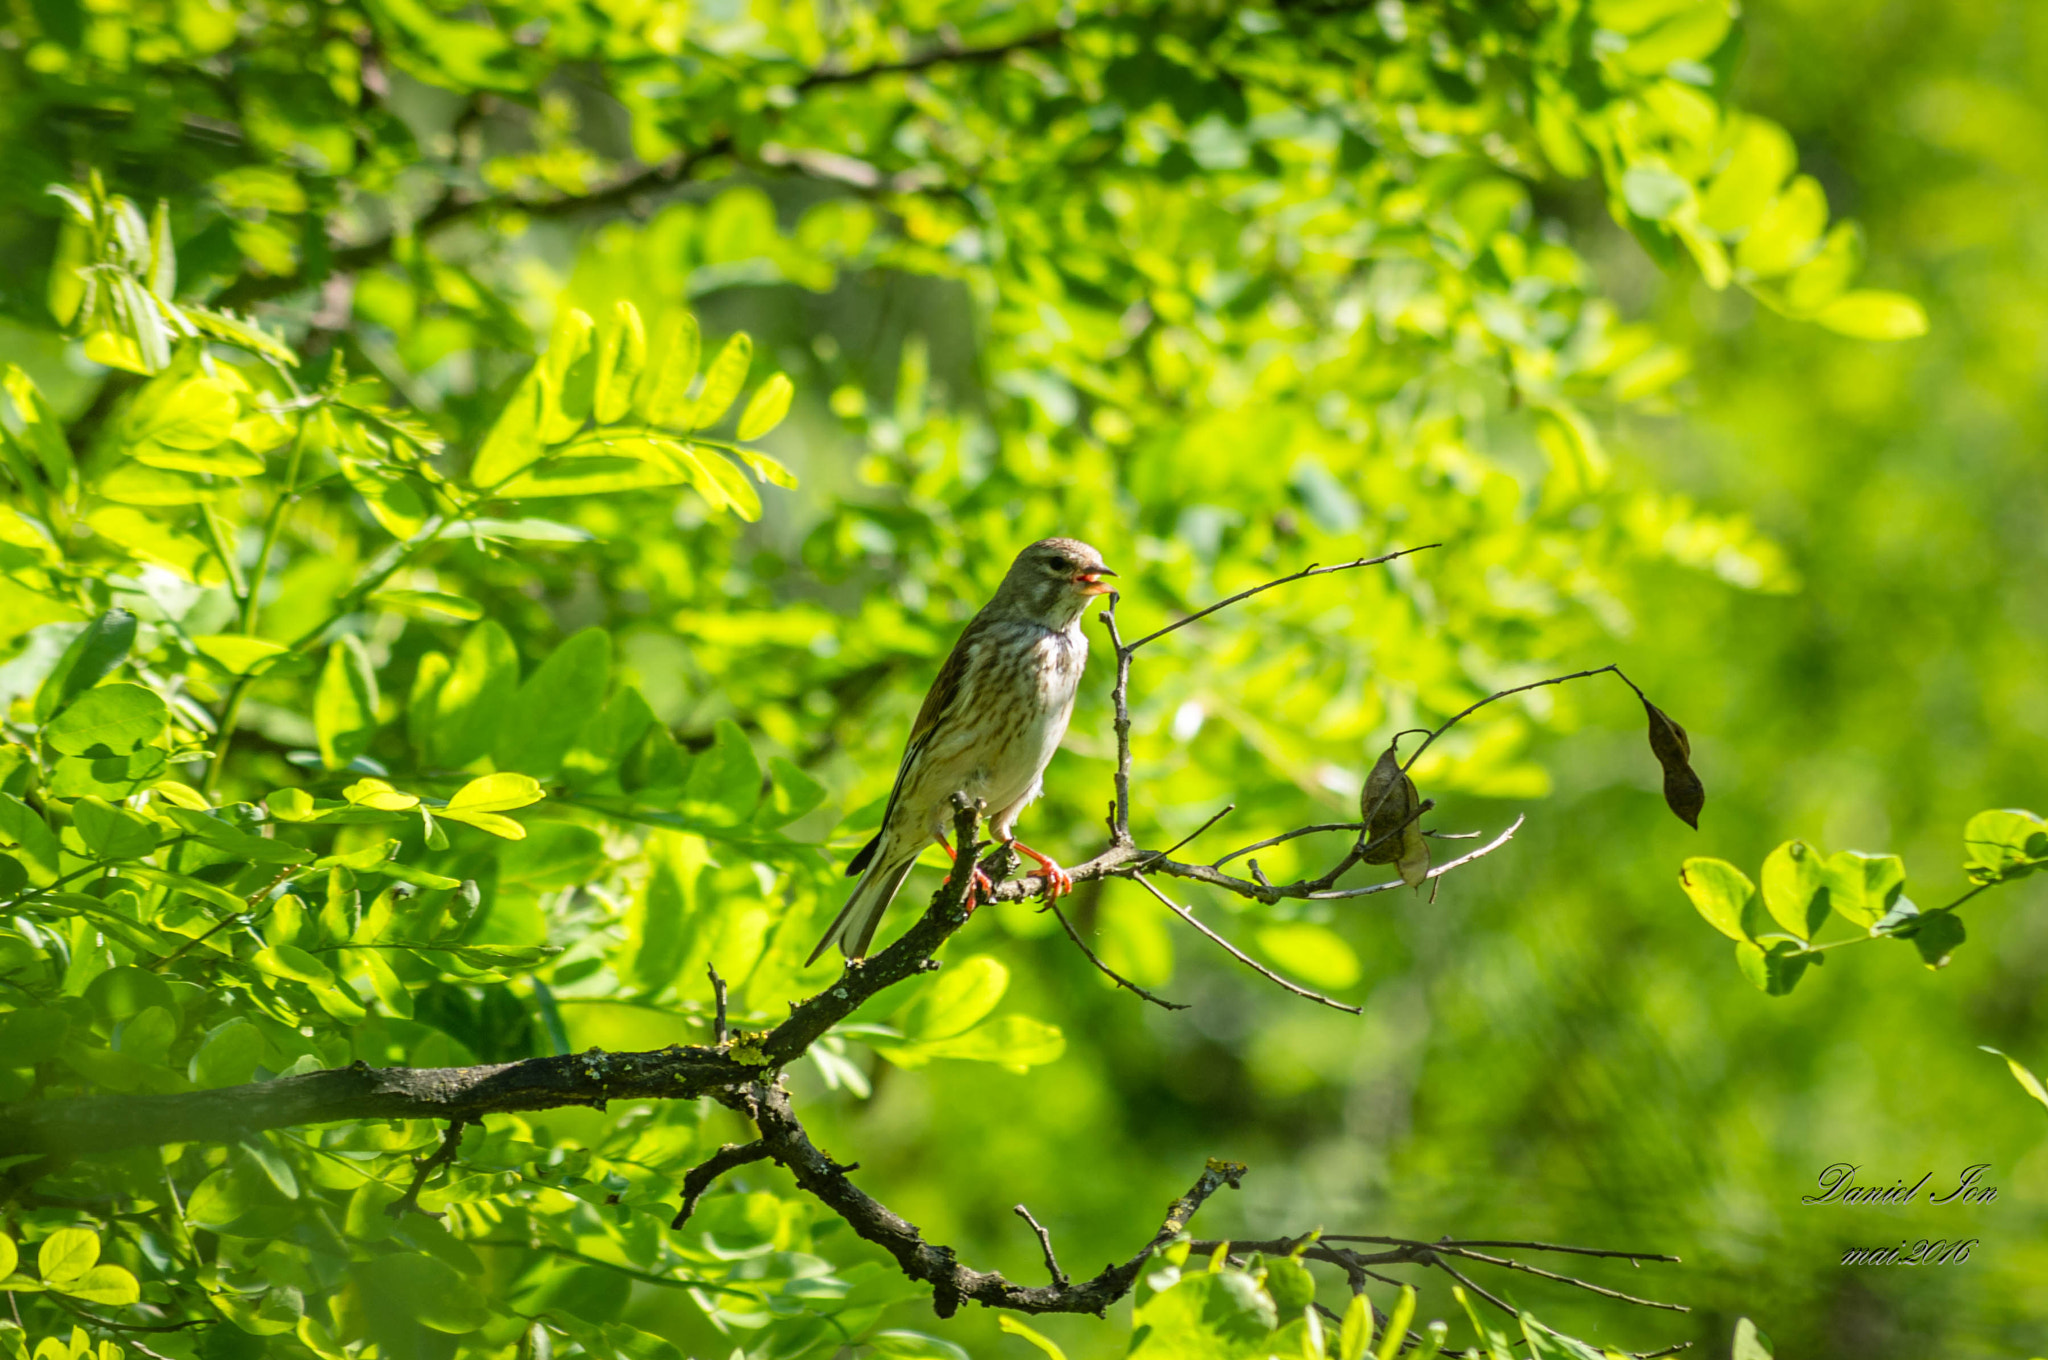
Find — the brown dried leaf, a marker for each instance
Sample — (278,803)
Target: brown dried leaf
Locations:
(1683,792)
(1387,805)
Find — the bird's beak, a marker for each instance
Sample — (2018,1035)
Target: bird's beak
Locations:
(1091,582)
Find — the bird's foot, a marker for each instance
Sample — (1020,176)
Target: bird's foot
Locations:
(1058,882)
(980,889)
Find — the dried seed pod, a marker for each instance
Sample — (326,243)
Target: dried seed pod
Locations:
(1387,805)
(1683,792)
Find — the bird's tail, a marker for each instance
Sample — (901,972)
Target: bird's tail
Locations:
(854,927)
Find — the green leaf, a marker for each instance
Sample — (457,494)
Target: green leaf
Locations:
(1787,233)
(956,1000)
(38,848)
(1015,1042)
(238,655)
(109,1285)
(275,1311)
(725,781)
(767,408)
(175,414)
(495,793)
(39,428)
(2004,843)
(1397,1324)
(791,795)
(1774,971)
(722,382)
(570,378)
(1356,1333)
(1935,934)
(1015,1328)
(1207,1316)
(197,887)
(1750,1344)
(110,720)
(514,440)
(664,390)
(294,963)
(66,1255)
(228,1056)
(28,1037)
(912,1346)
(1795,888)
(428,601)
(1293,1289)
(111,832)
(1861,887)
(2029,1083)
(9,1256)
(1868,314)
(217,1202)
(541,722)
(1651,190)
(621,354)
(666,919)
(604,463)
(412,1287)
(101,646)
(219,834)
(345,703)
(472,702)
(1823,278)
(1720,891)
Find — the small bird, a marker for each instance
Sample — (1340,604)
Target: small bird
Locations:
(988,728)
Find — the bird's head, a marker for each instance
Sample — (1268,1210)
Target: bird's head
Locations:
(1052,581)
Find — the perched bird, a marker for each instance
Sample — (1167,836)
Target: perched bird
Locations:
(988,728)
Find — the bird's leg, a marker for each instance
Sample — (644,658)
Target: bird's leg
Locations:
(1058,882)
(981,889)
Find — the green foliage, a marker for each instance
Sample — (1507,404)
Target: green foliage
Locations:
(325,745)
(1802,891)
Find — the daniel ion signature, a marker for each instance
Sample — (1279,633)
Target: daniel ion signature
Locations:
(1838,1185)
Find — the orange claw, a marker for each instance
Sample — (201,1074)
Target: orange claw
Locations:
(981,889)
(1058,882)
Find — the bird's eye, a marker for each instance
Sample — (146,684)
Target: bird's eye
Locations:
(1061,564)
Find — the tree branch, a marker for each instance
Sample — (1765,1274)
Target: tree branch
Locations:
(452,208)
(699,1179)
(767,1104)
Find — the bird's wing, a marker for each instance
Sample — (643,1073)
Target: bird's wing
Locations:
(938,706)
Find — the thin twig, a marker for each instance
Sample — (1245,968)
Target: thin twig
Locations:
(1119,696)
(1228,808)
(1471,1255)
(409,1202)
(1052,1265)
(114,1326)
(1312,570)
(718,1030)
(1107,971)
(1284,836)
(1439,871)
(1447,1268)
(1630,1256)
(1454,720)
(1242,957)
(699,1178)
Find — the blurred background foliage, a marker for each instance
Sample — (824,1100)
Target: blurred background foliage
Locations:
(1223,291)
